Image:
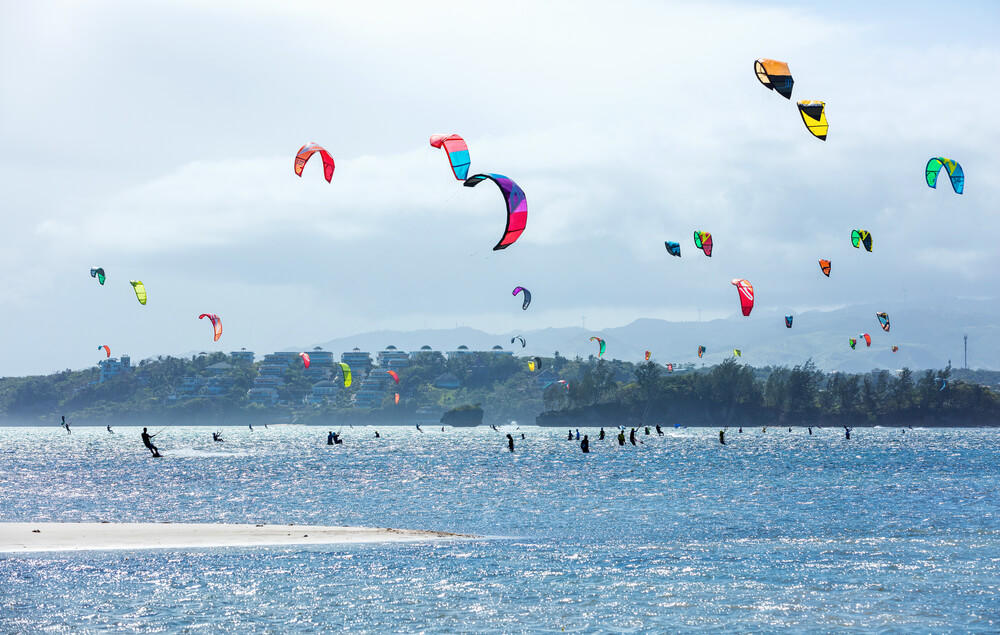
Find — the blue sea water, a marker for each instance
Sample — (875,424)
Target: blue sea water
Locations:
(775,531)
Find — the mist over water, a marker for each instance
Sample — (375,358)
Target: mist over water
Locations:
(774,530)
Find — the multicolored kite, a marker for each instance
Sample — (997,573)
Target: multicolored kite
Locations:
(954,171)
(601,342)
(307,151)
(527,297)
(647,355)
(883,321)
(824,266)
(674,249)
(867,338)
(814,116)
(458,153)
(861,237)
(853,342)
(775,76)
(788,321)
(98,272)
(216,323)
(701,351)
(305,359)
(895,349)
(746,294)
(517,206)
(107,349)
(703,241)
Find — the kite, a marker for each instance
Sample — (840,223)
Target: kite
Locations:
(746,295)
(670,368)
(140,291)
(895,349)
(458,153)
(531,365)
(517,206)
(536,362)
(107,349)
(861,237)
(954,171)
(883,320)
(394,375)
(867,338)
(814,116)
(943,381)
(216,323)
(853,342)
(788,321)
(703,241)
(824,266)
(307,151)
(601,342)
(346,371)
(518,337)
(98,272)
(775,76)
(674,249)
(305,359)
(397,398)
(527,297)
(647,355)
(701,351)
(737,352)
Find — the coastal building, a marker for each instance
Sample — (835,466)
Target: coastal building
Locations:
(242,357)
(263,395)
(114,366)
(370,394)
(325,389)
(359,361)
(498,350)
(221,368)
(393,359)
(282,358)
(459,352)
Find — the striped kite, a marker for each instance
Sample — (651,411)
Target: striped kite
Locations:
(954,171)
(216,324)
(775,76)
(517,206)
(458,153)
(824,266)
(861,237)
(746,295)
(814,116)
(307,151)
(601,342)
(703,241)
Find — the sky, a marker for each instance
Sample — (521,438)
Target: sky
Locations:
(157,140)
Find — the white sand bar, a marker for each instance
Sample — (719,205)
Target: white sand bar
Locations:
(19,537)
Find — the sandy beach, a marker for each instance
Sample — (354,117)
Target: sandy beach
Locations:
(23,537)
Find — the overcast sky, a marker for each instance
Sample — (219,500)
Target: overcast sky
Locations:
(157,140)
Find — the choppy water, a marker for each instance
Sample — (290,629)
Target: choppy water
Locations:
(772,532)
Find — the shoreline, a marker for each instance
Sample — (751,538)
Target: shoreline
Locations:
(49,536)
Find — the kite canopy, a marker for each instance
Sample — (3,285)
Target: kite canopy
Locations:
(394,375)
(943,381)
(861,237)
(895,349)
(397,398)
(98,272)
(954,171)
(647,355)
(306,151)
(601,342)
(670,368)
(531,365)
(775,76)
(458,153)
(527,299)
(674,249)
(737,352)
(518,337)
(745,290)
(517,206)
(703,241)
(867,338)
(106,349)
(853,342)
(701,351)
(346,372)
(140,291)
(883,320)
(788,321)
(824,266)
(305,359)
(216,323)
(814,116)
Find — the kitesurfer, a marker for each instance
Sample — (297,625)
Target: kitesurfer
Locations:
(329,438)
(631,436)
(419,430)
(216,437)
(810,431)
(789,429)
(659,431)
(600,437)
(147,440)
(336,439)
(522,435)
(110,431)
(847,433)
(578,434)
(621,437)
(510,442)
(647,431)
(722,437)
(570,437)
(585,445)
(377,435)
(741,429)
(65,424)
(251,426)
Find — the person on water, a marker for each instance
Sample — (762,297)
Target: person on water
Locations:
(216,437)
(585,445)
(789,429)
(600,437)
(659,430)
(147,440)
(570,437)
(329,438)
(810,431)
(510,442)
(377,435)
(722,437)
(251,426)
(621,437)
(336,438)
(65,424)
(418,428)
(110,431)
(578,434)
(741,429)
(631,436)
(847,432)
(522,435)
(647,431)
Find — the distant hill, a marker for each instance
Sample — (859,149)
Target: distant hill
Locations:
(927,337)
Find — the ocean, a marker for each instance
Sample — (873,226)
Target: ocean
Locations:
(890,531)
